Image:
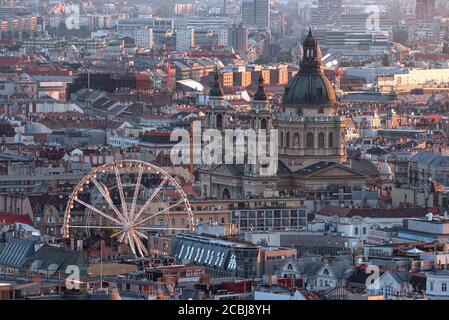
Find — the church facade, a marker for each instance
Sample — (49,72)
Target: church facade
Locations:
(311,139)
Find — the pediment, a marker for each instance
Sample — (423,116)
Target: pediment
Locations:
(337,171)
(222,170)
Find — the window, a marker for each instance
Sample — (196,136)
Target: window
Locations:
(431,285)
(288,139)
(296,140)
(309,140)
(330,140)
(219,122)
(281,142)
(364,230)
(356,230)
(321,140)
(444,287)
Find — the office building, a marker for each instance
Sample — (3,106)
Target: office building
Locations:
(256,13)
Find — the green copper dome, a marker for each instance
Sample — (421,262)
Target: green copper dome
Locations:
(309,85)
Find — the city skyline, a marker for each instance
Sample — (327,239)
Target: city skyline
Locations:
(249,150)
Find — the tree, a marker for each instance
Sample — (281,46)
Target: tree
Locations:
(446,48)
(386,60)
(285,56)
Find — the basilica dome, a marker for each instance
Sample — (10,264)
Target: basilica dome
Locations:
(309,85)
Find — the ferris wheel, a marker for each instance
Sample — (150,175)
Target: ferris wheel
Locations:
(128,199)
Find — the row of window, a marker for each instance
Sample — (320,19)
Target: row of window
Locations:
(310,140)
(270,223)
(443,286)
(261,214)
(356,231)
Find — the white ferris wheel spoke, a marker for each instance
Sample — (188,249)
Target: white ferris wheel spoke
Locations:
(159,212)
(140,234)
(160,228)
(96,227)
(123,237)
(140,247)
(131,243)
(97,211)
(140,243)
(150,199)
(164,206)
(117,233)
(136,193)
(122,196)
(107,197)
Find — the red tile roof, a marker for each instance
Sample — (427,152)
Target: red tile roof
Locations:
(15,218)
(431,56)
(10,61)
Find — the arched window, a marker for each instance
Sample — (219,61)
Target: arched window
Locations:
(263,124)
(288,139)
(219,123)
(309,140)
(321,140)
(356,231)
(296,140)
(281,138)
(330,140)
(226,195)
(364,230)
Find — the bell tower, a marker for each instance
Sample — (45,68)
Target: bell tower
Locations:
(216,112)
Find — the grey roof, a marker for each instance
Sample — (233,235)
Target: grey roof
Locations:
(283,169)
(400,276)
(368,195)
(377,151)
(15,253)
(236,169)
(434,158)
(442,273)
(316,167)
(54,258)
(364,166)
(309,267)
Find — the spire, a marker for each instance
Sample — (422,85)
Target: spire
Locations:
(260,94)
(216,90)
(311,57)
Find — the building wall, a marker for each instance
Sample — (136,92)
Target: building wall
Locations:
(437,287)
